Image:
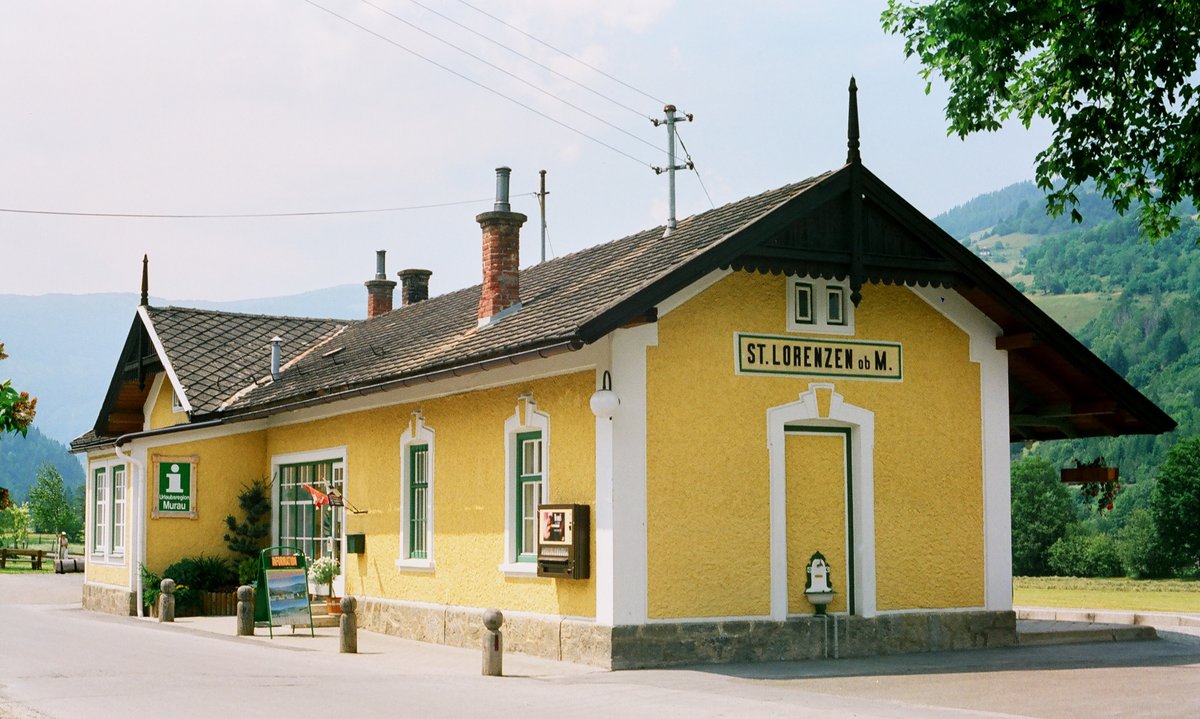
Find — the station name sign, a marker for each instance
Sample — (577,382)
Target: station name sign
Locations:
(775,355)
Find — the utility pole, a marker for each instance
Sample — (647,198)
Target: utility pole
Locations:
(671,167)
(541,195)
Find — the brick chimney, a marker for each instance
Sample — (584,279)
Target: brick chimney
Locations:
(379,289)
(501,254)
(414,286)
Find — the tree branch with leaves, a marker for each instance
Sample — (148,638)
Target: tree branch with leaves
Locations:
(1116,79)
(17,409)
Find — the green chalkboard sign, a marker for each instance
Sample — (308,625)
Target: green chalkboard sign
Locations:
(281,597)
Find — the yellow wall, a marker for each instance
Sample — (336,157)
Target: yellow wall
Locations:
(161,412)
(707,460)
(469,486)
(225,465)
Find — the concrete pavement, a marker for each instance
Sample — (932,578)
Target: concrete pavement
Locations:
(59,661)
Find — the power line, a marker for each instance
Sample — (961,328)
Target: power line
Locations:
(695,169)
(214,216)
(519,54)
(514,76)
(478,84)
(563,53)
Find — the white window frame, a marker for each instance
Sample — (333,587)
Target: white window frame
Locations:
(107,519)
(98,502)
(117,475)
(331,454)
(819,293)
(417,432)
(526,418)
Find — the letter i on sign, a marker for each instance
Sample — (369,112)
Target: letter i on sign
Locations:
(174,480)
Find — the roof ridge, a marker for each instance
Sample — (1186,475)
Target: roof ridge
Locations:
(258,315)
(697,217)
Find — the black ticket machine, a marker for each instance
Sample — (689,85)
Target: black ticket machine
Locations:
(563,534)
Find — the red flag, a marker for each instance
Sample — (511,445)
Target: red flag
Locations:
(319,497)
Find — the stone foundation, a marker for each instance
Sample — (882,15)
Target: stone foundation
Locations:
(668,644)
(674,644)
(561,638)
(109,600)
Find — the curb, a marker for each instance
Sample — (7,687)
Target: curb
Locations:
(1097,633)
(1159,620)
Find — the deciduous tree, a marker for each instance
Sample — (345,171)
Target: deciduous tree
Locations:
(1041,513)
(52,510)
(1175,504)
(1115,78)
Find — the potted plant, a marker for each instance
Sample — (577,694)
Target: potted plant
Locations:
(323,571)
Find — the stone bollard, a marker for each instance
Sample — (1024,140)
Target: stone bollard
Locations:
(349,626)
(166,601)
(245,611)
(493,644)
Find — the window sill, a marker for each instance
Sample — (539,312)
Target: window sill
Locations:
(519,570)
(415,565)
(821,329)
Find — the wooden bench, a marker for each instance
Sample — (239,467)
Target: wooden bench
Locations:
(33,556)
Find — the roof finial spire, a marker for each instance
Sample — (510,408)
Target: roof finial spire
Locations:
(852,154)
(145,301)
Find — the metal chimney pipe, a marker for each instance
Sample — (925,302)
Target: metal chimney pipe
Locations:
(276,356)
(380,272)
(502,174)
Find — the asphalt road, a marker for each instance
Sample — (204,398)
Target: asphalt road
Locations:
(58,661)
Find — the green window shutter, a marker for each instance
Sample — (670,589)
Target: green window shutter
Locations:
(529,474)
(418,501)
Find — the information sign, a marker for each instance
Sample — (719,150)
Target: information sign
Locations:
(175,487)
(281,596)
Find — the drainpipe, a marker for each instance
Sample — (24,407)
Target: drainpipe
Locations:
(139,539)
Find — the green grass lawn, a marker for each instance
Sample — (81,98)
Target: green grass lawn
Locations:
(1146,595)
(1072,311)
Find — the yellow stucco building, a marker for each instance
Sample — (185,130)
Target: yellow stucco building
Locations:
(818,368)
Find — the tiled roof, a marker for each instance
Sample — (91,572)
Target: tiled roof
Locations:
(222,359)
(218,355)
(557,297)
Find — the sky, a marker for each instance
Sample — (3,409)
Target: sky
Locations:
(226,107)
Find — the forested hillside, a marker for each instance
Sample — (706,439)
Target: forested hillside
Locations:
(20,458)
(1150,332)
(1143,301)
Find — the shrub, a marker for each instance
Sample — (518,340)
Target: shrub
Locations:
(150,586)
(1079,555)
(193,575)
(248,537)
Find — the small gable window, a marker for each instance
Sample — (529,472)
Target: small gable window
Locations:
(819,306)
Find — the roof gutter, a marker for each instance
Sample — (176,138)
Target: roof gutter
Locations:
(563,347)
